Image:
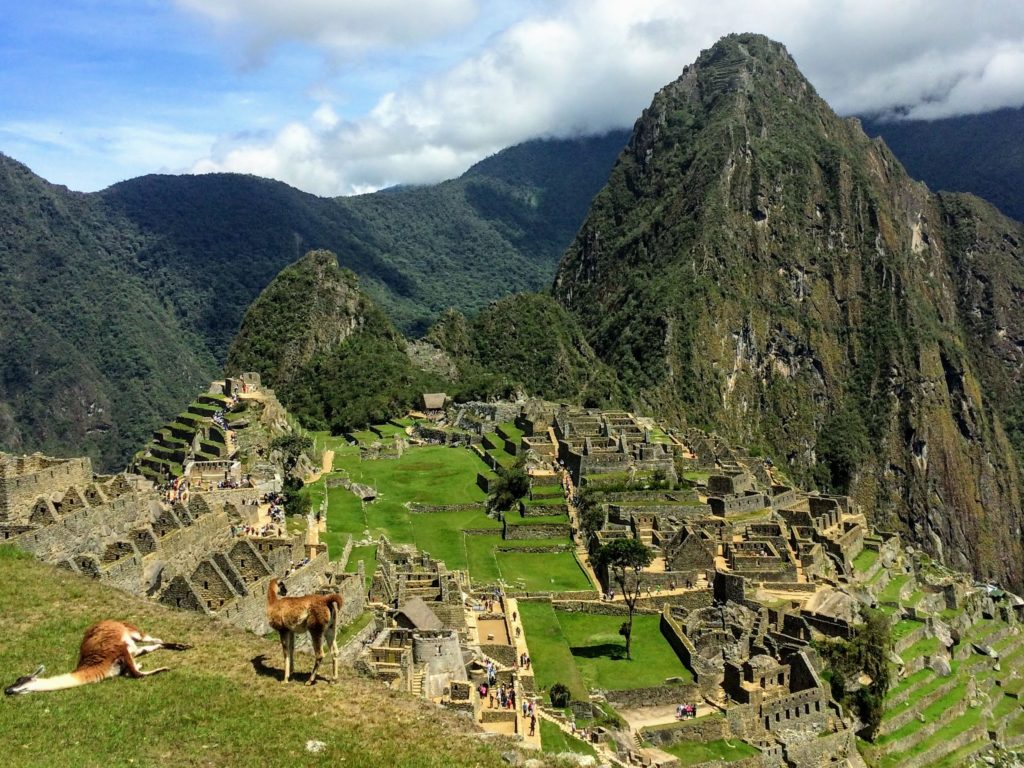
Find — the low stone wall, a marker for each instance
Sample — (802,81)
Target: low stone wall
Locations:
(707,728)
(661,695)
(537,531)
(349,652)
(600,608)
(503,654)
(416,507)
(823,751)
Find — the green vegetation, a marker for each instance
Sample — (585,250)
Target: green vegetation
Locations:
(555,740)
(584,651)
(121,303)
(203,711)
(696,752)
(624,560)
(866,653)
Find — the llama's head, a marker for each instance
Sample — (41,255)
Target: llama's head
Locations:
(21,684)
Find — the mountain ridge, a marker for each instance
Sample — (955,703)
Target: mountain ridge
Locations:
(759,266)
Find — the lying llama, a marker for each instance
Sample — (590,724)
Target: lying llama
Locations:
(316,614)
(109,648)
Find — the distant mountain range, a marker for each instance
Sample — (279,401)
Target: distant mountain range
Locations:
(982,154)
(116,305)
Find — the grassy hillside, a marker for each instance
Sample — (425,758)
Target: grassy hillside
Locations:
(220,705)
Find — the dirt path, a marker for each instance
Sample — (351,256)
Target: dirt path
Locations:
(327,465)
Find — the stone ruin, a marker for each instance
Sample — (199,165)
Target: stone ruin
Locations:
(182,547)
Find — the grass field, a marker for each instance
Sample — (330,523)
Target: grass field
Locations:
(555,740)
(585,651)
(696,752)
(222,703)
(441,476)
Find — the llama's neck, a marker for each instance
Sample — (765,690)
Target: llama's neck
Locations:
(56,683)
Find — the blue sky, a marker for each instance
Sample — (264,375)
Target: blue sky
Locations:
(337,97)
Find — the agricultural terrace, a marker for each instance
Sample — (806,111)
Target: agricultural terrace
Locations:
(465,539)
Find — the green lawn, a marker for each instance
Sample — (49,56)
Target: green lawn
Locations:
(440,475)
(366,553)
(696,752)
(428,474)
(549,652)
(554,740)
(542,571)
(599,651)
(865,560)
(586,651)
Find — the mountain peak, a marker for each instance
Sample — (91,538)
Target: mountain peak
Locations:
(756,264)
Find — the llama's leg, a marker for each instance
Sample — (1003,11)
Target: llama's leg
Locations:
(285,635)
(154,644)
(316,636)
(130,668)
(332,634)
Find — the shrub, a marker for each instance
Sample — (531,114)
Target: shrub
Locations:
(560,695)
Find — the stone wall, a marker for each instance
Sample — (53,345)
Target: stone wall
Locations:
(657,696)
(25,478)
(537,531)
(707,728)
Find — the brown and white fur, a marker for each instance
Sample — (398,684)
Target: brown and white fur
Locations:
(109,648)
(316,614)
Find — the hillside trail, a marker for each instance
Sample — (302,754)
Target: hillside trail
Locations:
(326,466)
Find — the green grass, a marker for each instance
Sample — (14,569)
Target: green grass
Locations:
(696,752)
(904,627)
(892,590)
(208,709)
(554,740)
(428,474)
(864,561)
(551,659)
(542,572)
(366,553)
(599,651)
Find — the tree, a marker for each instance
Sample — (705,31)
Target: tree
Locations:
(291,445)
(512,485)
(590,512)
(867,652)
(620,557)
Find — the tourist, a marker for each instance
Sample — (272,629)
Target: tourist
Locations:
(526,709)
(533,724)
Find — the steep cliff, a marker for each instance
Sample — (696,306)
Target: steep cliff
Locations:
(759,266)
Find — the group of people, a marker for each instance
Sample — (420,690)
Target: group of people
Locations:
(524,661)
(686,711)
(269,529)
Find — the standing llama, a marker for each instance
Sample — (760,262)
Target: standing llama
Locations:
(109,648)
(315,614)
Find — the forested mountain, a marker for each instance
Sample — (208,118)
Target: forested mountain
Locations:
(759,266)
(336,362)
(982,154)
(117,304)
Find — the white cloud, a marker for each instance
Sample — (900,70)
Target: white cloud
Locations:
(588,65)
(339,26)
(89,157)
